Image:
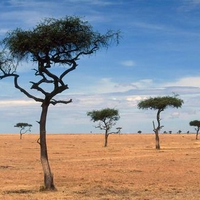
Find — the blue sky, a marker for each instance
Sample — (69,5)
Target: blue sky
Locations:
(158,54)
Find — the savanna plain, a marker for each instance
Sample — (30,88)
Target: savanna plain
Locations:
(129,168)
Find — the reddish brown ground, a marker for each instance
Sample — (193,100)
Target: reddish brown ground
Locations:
(129,168)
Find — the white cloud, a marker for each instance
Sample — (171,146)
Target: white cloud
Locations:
(185,81)
(128,63)
(175,114)
(132,101)
(9,103)
(135,98)
(106,85)
(138,85)
(145,83)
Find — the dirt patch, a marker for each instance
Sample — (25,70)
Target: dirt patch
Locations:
(129,168)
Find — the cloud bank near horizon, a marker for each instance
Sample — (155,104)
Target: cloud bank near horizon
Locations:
(158,54)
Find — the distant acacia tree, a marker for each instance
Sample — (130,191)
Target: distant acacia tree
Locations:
(139,132)
(197,124)
(179,132)
(107,119)
(118,130)
(25,127)
(159,104)
(52,43)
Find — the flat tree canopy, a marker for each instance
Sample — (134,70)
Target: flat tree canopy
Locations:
(195,123)
(22,124)
(57,40)
(160,103)
(107,119)
(104,114)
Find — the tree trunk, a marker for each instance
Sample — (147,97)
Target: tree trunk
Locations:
(106,138)
(156,130)
(197,133)
(48,176)
(20,134)
(157,140)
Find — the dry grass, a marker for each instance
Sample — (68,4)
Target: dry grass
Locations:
(129,168)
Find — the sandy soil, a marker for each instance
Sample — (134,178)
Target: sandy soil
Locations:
(129,168)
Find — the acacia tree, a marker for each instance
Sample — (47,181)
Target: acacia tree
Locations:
(179,132)
(197,124)
(159,104)
(107,119)
(52,43)
(23,127)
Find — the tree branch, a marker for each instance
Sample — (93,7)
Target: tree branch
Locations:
(38,141)
(53,76)
(36,87)
(74,65)
(16,76)
(54,102)
(23,90)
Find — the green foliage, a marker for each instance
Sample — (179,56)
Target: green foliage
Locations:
(195,123)
(107,117)
(60,39)
(160,103)
(21,125)
(102,115)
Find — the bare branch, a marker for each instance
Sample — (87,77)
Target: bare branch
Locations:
(35,86)
(53,76)
(23,90)
(38,141)
(54,102)
(74,65)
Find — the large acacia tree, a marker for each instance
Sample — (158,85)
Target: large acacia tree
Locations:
(197,124)
(159,104)
(107,118)
(52,43)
